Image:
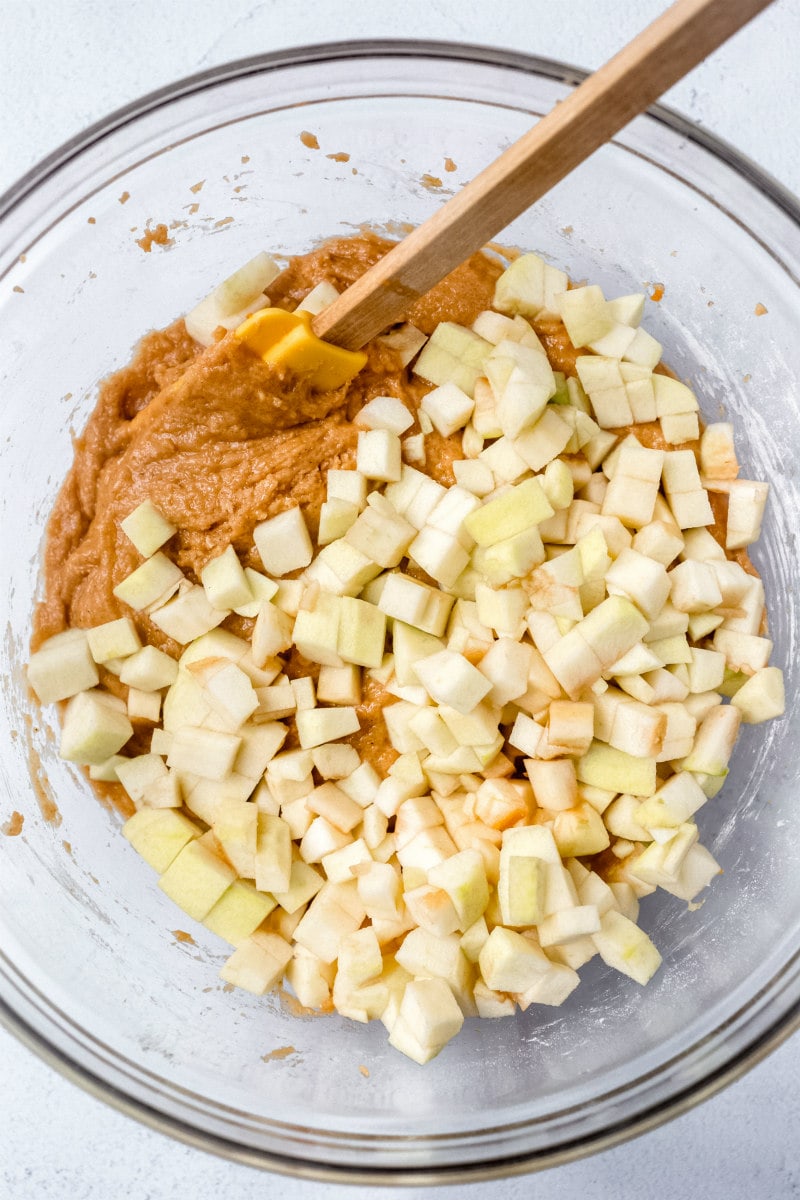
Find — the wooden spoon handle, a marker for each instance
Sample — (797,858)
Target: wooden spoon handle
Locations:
(656,59)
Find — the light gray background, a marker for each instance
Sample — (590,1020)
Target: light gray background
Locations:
(66,63)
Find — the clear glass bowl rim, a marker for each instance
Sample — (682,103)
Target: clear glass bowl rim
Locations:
(727,1073)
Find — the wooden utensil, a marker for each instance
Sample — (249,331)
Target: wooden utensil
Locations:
(656,59)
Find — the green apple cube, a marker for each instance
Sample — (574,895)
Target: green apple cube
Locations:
(147,528)
(273,854)
(472,940)
(451,679)
(360,957)
(520,889)
(246,283)
(336,517)
(585,313)
(463,878)
(204,752)
(92,730)
(139,774)
(361,633)
(188,617)
(425,955)
(225,582)
(627,948)
(114,639)
(448,407)
(430,1010)
(408,645)
(159,835)
(521,287)
(615,771)
(62,667)
(674,803)
(510,962)
(762,697)
(553,987)
(580,831)
(304,883)
(149,670)
(283,542)
(326,923)
(153,582)
(509,514)
(380,532)
(613,628)
(316,631)
(235,825)
(258,964)
(197,878)
(415,603)
(261,588)
(239,912)
(453,354)
(569,924)
(714,741)
(310,979)
(315,726)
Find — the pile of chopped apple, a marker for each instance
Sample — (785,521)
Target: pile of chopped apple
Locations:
(559,633)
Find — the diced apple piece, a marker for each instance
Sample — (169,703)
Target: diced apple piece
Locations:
(258,964)
(510,962)
(627,948)
(509,514)
(463,878)
(334,913)
(283,542)
(521,287)
(147,528)
(453,354)
(315,726)
(448,408)
(415,603)
(272,633)
(605,767)
(585,313)
(62,667)
(521,887)
(385,412)
(430,1012)
(552,988)
(159,835)
(204,752)
(450,679)
(149,669)
(642,580)
(239,912)
(225,582)
(197,878)
(114,639)
(188,616)
(580,831)
(694,587)
(153,582)
(569,924)
(627,309)
(746,504)
(554,783)
(762,697)
(92,730)
(140,773)
(717,451)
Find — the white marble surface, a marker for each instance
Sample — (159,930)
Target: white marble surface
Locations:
(65,63)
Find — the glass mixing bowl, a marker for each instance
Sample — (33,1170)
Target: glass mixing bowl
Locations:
(91,974)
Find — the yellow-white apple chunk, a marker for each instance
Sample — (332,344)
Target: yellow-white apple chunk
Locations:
(430,1013)
(159,835)
(113,639)
(62,667)
(147,528)
(273,854)
(197,877)
(718,452)
(451,679)
(188,616)
(283,542)
(239,912)
(510,962)
(585,313)
(509,514)
(615,771)
(92,729)
(569,924)
(258,964)
(225,582)
(453,354)
(627,948)
(208,753)
(448,407)
(316,726)
(151,583)
(762,697)
(149,670)
(552,988)
(334,913)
